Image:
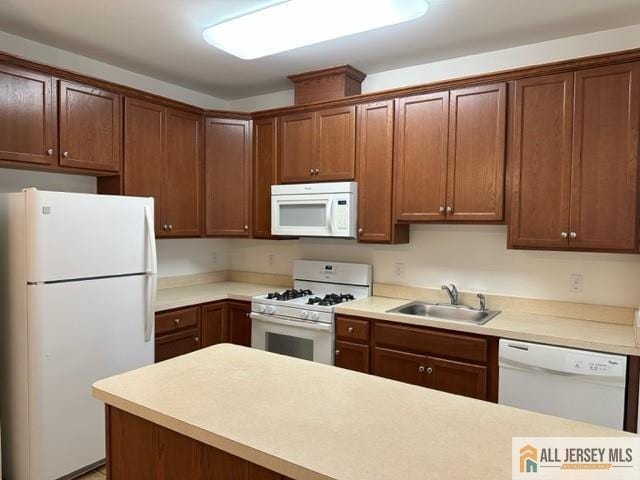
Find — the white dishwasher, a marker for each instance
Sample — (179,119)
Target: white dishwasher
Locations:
(576,384)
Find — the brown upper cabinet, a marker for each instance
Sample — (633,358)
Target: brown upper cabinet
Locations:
(227,177)
(264,174)
(163,159)
(375,175)
(318,146)
(89,127)
(574,160)
(28,122)
(450,153)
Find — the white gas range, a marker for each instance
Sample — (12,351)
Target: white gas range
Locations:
(299,321)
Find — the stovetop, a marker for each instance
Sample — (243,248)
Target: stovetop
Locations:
(294,297)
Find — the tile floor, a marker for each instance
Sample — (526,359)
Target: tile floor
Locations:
(98,474)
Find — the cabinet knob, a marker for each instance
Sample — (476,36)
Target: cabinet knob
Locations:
(449,209)
(311,171)
(196,339)
(573,235)
(316,171)
(65,154)
(50,151)
(248,315)
(564,234)
(170,227)
(360,230)
(164,227)
(441,209)
(429,370)
(246,227)
(350,329)
(176,321)
(421,368)
(337,352)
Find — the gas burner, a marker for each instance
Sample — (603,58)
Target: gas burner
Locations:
(289,294)
(331,299)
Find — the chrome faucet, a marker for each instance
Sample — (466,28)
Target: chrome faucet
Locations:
(452,291)
(483,302)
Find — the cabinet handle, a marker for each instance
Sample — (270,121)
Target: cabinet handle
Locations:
(360,230)
(311,171)
(65,154)
(246,227)
(196,339)
(248,315)
(165,227)
(337,352)
(350,329)
(50,151)
(429,370)
(316,171)
(441,209)
(176,321)
(421,369)
(573,235)
(449,209)
(170,227)
(564,234)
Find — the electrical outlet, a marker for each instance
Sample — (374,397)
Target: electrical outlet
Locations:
(575,283)
(214,257)
(271,259)
(399,270)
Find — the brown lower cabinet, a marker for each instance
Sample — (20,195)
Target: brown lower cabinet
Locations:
(141,450)
(459,363)
(185,330)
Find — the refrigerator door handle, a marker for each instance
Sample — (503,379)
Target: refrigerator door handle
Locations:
(151,274)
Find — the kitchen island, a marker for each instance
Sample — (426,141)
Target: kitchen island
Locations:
(230,412)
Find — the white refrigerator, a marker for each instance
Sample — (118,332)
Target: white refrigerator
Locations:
(77,289)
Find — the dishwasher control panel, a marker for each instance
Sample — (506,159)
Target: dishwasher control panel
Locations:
(591,365)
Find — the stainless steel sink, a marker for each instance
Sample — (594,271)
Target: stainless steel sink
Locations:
(455,313)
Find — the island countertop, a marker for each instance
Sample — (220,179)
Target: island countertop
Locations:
(312,421)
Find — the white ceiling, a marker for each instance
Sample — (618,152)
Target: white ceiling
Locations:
(163,38)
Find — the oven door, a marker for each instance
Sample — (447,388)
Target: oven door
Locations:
(304,215)
(296,338)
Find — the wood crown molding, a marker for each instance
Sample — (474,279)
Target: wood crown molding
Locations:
(346,70)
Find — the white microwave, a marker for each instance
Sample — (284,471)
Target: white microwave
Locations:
(314,209)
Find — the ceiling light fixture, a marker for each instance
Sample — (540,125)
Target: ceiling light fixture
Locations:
(297,23)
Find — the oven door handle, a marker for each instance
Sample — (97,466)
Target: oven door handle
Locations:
(318,326)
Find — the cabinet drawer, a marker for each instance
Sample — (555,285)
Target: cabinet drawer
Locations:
(169,346)
(454,345)
(352,329)
(175,320)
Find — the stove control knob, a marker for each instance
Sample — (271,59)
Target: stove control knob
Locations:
(260,308)
(314,316)
(270,309)
(304,314)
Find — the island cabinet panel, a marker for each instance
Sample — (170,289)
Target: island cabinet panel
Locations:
(335,132)
(297,149)
(375,175)
(144,149)
(541,162)
(421,157)
(476,158)
(239,323)
(141,450)
(89,127)
(183,174)
(352,356)
(28,120)
(604,177)
(265,155)
(228,177)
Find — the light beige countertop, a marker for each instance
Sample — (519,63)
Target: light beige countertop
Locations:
(605,337)
(183,296)
(312,421)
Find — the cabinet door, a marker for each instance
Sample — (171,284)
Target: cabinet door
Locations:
(604,178)
(214,324)
(227,177)
(421,155)
(264,174)
(296,147)
(89,127)
(475,168)
(27,116)
(401,366)
(541,162)
(143,152)
(336,144)
(170,346)
(457,377)
(352,356)
(182,174)
(375,175)
(239,323)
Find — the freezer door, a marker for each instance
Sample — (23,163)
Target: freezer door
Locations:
(72,235)
(79,332)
